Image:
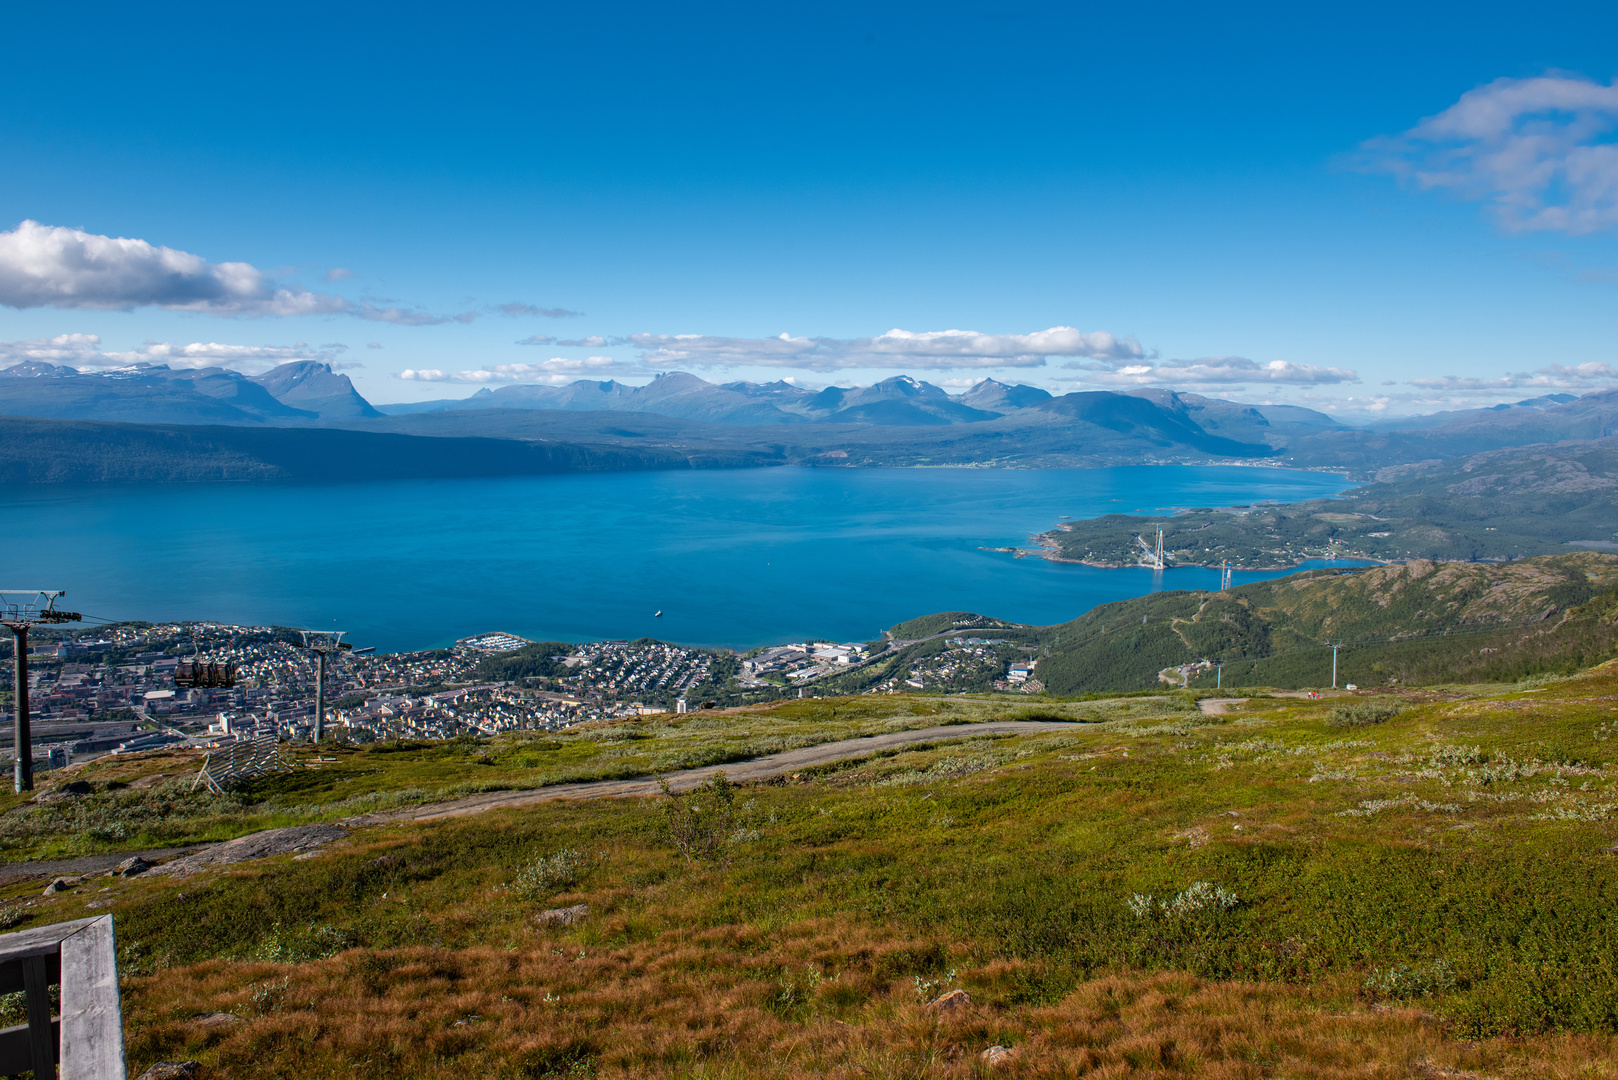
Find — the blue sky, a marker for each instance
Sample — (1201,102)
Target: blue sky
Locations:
(1249,202)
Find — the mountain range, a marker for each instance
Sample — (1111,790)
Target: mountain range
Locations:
(900,401)
(896,422)
(298,392)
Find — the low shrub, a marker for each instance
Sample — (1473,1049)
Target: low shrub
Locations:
(549,874)
(1405,981)
(703,821)
(1365,712)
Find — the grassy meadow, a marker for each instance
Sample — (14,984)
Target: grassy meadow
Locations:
(1368,887)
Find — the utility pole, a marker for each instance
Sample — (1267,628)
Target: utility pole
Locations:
(1334,649)
(322,643)
(1219,676)
(20,609)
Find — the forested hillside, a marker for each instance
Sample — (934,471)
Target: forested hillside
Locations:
(1416,623)
(1505,504)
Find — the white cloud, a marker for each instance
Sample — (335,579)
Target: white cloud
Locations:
(594,341)
(934,349)
(537,339)
(45,266)
(67,349)
(553,372)
(1555,377)
(50,266)
(84,352)
(1539,151)
(338,273)
(1212,371)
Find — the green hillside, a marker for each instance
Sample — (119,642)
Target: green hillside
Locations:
(1506,504)
(1420,622)
(928,625)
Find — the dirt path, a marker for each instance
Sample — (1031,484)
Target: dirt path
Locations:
(305,839)
(1036,703)
(738,771)
(1218,706)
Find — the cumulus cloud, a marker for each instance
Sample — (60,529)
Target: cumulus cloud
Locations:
(46,266)
(1212,371)
(1554,377)
(594,341)
(1539,151)
(84,352)
(51,266)
(553,372)
(934,349)
(515,310)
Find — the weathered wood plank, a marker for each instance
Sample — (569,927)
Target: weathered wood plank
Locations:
(15,1056)
(41,1043)
(92,1019)
(38,940)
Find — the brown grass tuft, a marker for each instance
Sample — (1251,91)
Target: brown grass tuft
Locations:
(811,1000)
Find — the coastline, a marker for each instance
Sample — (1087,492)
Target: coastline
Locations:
(1051,551)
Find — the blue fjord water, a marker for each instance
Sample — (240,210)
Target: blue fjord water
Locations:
(735,557)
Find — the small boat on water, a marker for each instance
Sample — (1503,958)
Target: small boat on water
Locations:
(657,614)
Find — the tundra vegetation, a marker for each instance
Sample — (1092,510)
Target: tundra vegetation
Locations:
(1157,892)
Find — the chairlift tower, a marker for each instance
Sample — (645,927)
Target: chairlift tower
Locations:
(323,643)
(19,610)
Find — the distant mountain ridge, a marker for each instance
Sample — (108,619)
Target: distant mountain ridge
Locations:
(897,421)
(304,390)
(1204,424)
(314,387)
(900,401)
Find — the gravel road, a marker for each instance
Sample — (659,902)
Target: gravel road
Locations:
(738,771)
(302,838)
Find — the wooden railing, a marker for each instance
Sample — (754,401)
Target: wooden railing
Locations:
(87,1039)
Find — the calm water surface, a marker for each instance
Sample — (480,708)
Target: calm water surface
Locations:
(739,558)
